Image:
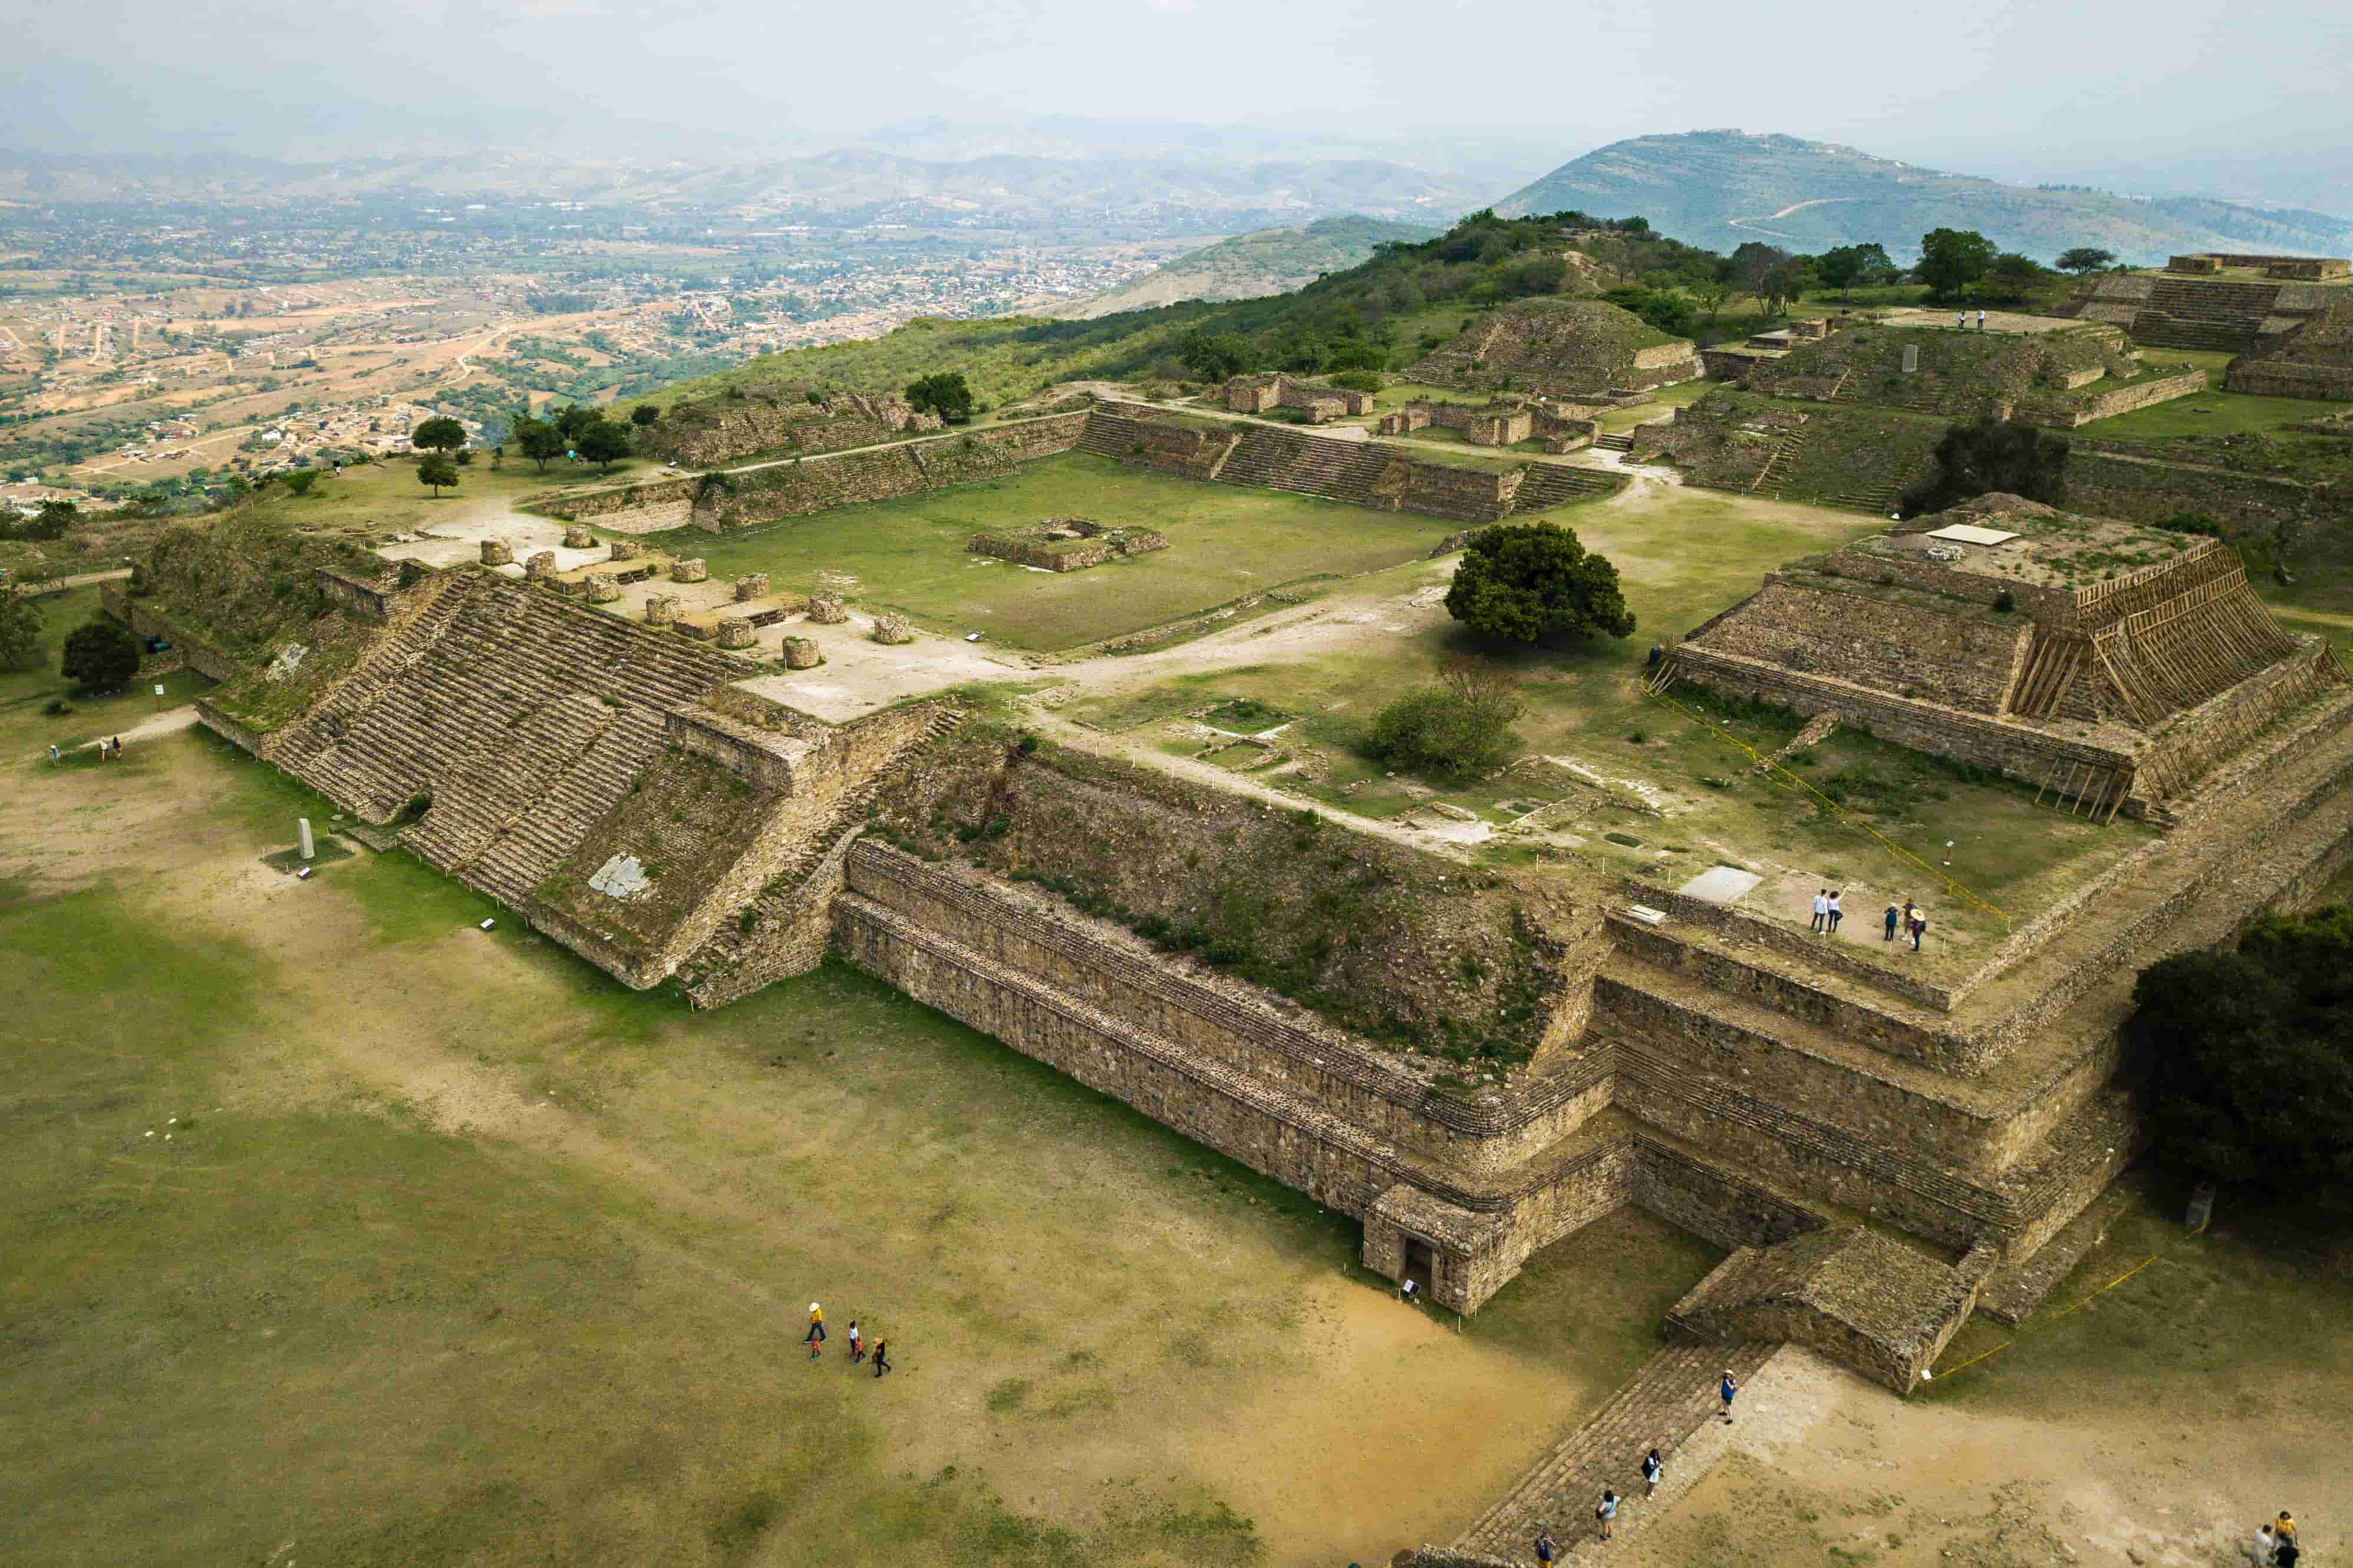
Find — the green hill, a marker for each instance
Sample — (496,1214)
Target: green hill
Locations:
(1269,261)
(1720,188)
(1385,313)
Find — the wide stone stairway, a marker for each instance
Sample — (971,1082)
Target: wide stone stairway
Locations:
(523,716)
(1661,1405)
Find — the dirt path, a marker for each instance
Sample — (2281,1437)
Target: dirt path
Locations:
(1751,223)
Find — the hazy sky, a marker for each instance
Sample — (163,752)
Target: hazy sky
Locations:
(2035,89)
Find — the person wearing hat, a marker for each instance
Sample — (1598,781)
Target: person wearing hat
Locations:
(1724,1390)
(815,1335)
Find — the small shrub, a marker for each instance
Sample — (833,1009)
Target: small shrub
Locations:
(58,707)
(1457,729)
(749,920)
(1638,737)
(2004,603)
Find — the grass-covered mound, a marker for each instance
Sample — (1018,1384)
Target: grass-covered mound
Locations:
(1545,345)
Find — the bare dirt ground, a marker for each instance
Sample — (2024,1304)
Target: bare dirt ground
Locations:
(1821,1467)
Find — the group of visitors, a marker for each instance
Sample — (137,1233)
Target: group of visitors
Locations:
(1655,1468)
(1911,919)
(858,1353)
(108,750)
(1962,321)
(2275,1543)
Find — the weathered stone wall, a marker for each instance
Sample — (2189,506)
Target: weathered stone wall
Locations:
(369,601)
(1386,941)
(654,508)
(1959,659)
(1468,495)
(2014,750)
(724,429)
(2112,484)
(2108,403)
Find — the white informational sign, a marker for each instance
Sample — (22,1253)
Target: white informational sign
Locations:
(159,688)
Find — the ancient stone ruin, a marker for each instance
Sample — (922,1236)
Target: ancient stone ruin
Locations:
(1320,403)
(497,553)
(2112,666)
(827,609)
(691,569)
(802,653)
(2062,378)
(1561,347)
(577,537)
(2313,359)
(1066,543)
(2206,307)
(889,627)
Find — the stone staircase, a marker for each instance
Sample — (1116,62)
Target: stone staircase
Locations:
(1787,446)
(1619,441)
(1661,1405)
(721,963)
(2226,317)
(1308,465)
(1548,485)
(525,716)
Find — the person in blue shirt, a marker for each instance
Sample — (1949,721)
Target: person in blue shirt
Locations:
(1724,1390)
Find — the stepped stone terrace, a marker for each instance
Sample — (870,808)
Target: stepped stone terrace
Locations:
(2065,377)
(2110,664)
(1320,403)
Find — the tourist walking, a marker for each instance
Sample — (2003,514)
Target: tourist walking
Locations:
(2260,1550)
(856,1354)
(1724,1390)
(53,753)
(1961,320)
(1836,913)
(1890,935)
(1981,321)
(1652,1468)
(1547,1549)
(1919,926)
(815,1335)
(2283,1527)
(1606,1510)
(881,1357)
(1822,910)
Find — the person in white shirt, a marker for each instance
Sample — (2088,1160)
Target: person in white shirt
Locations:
(1822,910)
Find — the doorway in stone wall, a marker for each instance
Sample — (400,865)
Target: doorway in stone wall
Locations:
(1420,1264)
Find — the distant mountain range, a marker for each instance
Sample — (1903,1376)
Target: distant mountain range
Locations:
(1721,188)
(1269,261)
(1158,190)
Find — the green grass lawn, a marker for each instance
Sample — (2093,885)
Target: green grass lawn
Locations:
(24,692)
(2211,413)
(376,500)
(1224,541)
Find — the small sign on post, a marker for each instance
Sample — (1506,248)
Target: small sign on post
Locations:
(159,688)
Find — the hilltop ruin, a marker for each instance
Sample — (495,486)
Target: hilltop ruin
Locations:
(1561,348)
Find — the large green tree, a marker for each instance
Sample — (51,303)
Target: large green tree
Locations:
(99,657)
(441,433)
(1216,356)
(539,440)
(2083,258)
(944,394)
(1992,457)
(20,628)
(2249,1056)
(1953,259)
(603,443)
(1845,265)
(1535,581)
(435,470)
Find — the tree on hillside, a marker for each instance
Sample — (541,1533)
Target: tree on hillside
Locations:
(99,657)
(1457,729)
(644,414)
(603,443)
(944,394)
(436,469)
(2249,1056)
(1710,295)
(2085,259)
(2012,276)
(575,417)
(1992,457)
(1216,356)
(1785,283)
(1845,265)
(1660,308)
(52,521)
(441,433)
(1953,259)
(20,628)
(1748,266)
(538,440)
(1533,581)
